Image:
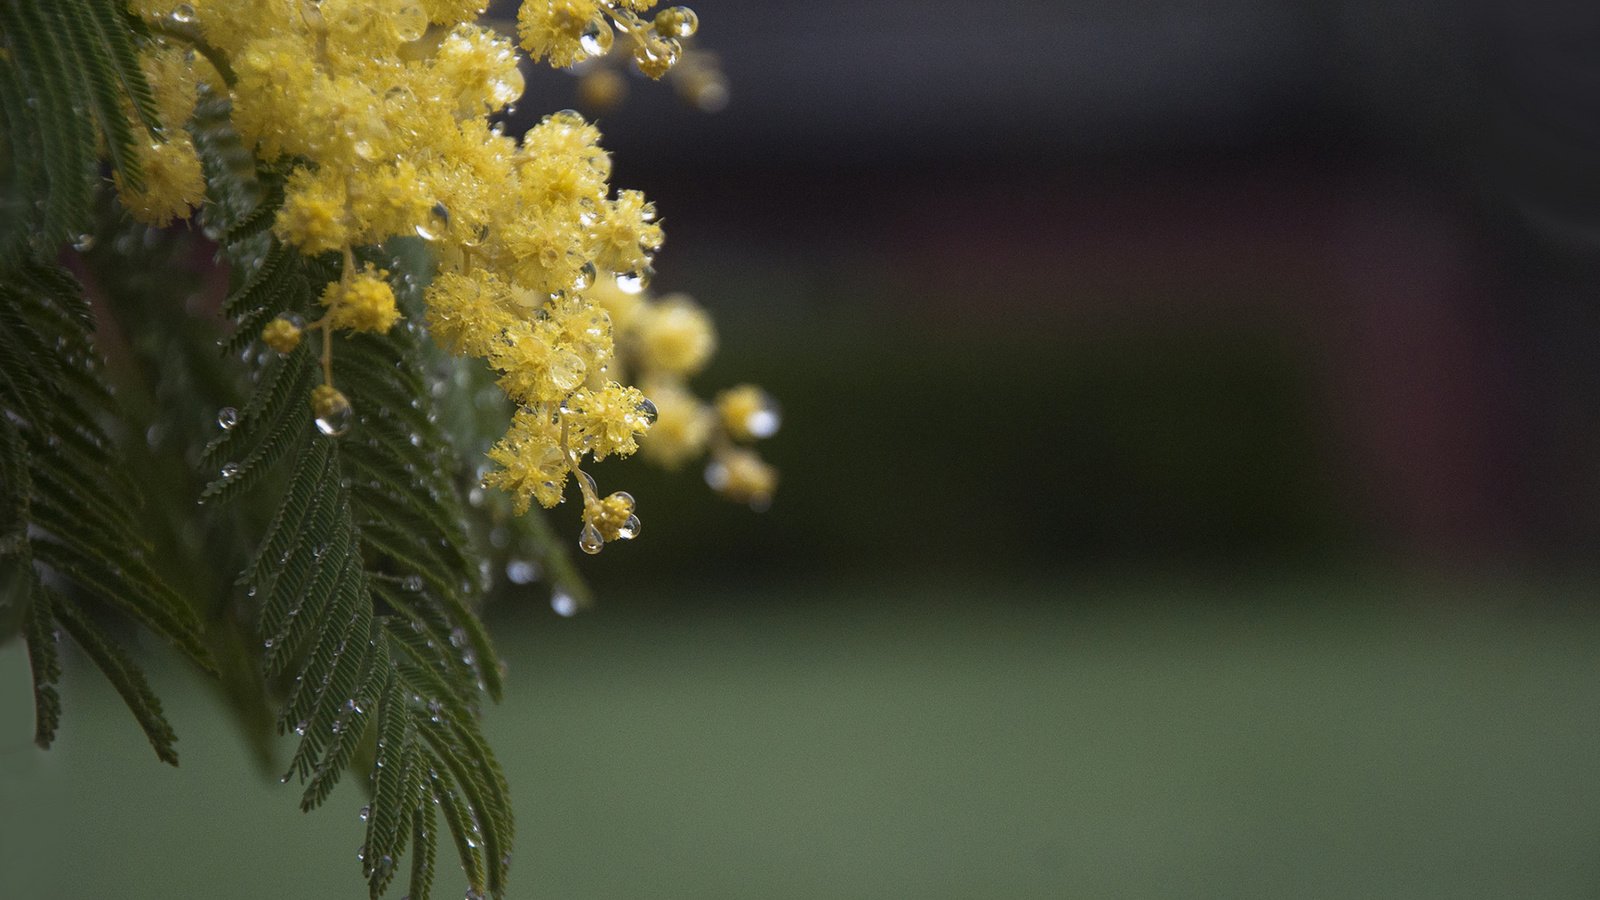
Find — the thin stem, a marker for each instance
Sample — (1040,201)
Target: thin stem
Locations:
(191,35)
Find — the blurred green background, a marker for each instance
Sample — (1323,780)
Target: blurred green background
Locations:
(1191,487)
(1365,739)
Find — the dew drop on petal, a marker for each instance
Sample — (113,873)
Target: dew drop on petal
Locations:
(584,277)
(647,408)
(634,282)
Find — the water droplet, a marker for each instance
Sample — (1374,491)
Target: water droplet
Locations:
(409,22)
(647,408)
(564,604)
(597,37)
(584,278)
(227,417)
(361,853)
(636,281)
(655,55)
(521,571)
(300,728)
(438,221)
(334,414)
(677,21)
(366,813)
(83,242)
(566,371)
(231,470)
(764,422)
(268,643)
(589,539)
(183,12)
(411,583)
(629,529)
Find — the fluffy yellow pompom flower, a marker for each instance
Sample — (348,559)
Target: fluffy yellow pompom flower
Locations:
(564,31)
(173,181)
(683,425)
(313,213)
(281,334)
(742,476)
(748,413)
(377,109)
(676,336)
(533,465)
(364,302)
(614,517)
(608,421)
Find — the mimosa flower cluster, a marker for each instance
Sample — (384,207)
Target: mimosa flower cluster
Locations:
(382,107)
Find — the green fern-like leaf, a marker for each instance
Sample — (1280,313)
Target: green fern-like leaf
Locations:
(69,74)
(367,587)
(69,530)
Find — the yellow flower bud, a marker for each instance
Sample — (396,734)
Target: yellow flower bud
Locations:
(281,334)
(676,336)
(748,413)
(363,303)
(742,476)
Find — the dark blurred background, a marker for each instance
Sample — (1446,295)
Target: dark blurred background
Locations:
(1086,285)
(1189,483)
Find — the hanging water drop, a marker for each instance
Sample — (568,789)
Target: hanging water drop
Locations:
(647,408)
(629,529)
(227,417)
(589,539)
(230,471)
(677,22)
(597,37)
(333,410)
